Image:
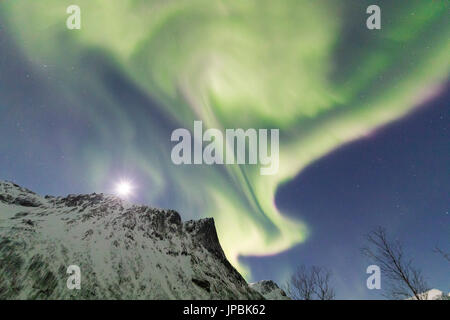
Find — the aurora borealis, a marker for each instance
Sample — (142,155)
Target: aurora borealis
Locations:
(102,101)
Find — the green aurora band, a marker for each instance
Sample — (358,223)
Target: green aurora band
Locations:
(310,68)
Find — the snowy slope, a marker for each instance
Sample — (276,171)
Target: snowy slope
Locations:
(269,290)
(433,294)
(124,251)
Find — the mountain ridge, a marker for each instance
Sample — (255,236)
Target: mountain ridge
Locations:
(124,251)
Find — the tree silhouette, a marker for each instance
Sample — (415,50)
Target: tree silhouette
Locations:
(310,284)
(403,279)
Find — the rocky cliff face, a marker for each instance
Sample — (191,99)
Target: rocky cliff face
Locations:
(269,290)
(124,251)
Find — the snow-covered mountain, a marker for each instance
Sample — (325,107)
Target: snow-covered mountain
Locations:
(433,294)
(270,290)
(124,251)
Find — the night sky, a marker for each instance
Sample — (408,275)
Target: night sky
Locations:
(363,118)
(397,178)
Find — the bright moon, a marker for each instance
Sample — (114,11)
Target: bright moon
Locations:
(123,188)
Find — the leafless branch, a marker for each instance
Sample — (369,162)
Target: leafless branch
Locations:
(403,278)
(310,284)
(446,255)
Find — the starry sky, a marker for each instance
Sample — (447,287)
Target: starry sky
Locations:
(363,118)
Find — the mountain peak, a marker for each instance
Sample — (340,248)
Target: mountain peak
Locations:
(123,250)
(270,290)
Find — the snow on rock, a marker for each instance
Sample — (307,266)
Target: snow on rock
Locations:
(433,294)
(269,290)
(124,251)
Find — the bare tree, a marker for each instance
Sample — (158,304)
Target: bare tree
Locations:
(404,280)
(310,284)
(446,255)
